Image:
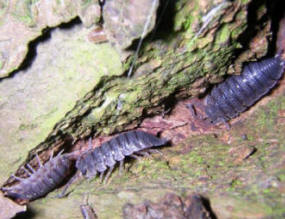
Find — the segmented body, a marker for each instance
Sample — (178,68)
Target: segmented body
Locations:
(101,158)
(41,181)
(237,93)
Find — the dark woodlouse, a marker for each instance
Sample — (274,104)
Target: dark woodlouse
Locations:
(239,92)
(41,181)
(106,156)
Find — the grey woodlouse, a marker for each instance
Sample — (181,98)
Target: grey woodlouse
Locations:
(106,156)
(232,97)
(41,181)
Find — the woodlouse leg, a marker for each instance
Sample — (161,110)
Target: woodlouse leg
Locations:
(39,161)
(5,189)
(155,151)
(135,156)
(90,143)
(87,212)
(101,176)
(194,112)
(143,153)
(92,177)
(51,156)
(17,178)
(227,124)
(26,171)
(121,168)
(108,174)
(60,153)
(30,168)
(63,193)
(192,109)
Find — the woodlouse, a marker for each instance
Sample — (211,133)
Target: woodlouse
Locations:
(101,158)
(239,92)
(41,181)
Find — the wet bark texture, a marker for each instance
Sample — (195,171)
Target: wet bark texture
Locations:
(57,86)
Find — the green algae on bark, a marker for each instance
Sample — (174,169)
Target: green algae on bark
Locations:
(180,64)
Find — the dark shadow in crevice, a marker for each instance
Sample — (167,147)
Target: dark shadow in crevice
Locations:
(206,203)
(275,12)
(253,26)
(32,46)
(163,25)
(29,214)
(69,25)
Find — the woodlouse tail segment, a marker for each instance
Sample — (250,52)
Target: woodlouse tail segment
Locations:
(39,182)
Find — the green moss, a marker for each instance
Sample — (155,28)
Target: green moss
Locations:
(245,1)
(223,35)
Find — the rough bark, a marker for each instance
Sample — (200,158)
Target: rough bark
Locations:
(74,88)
